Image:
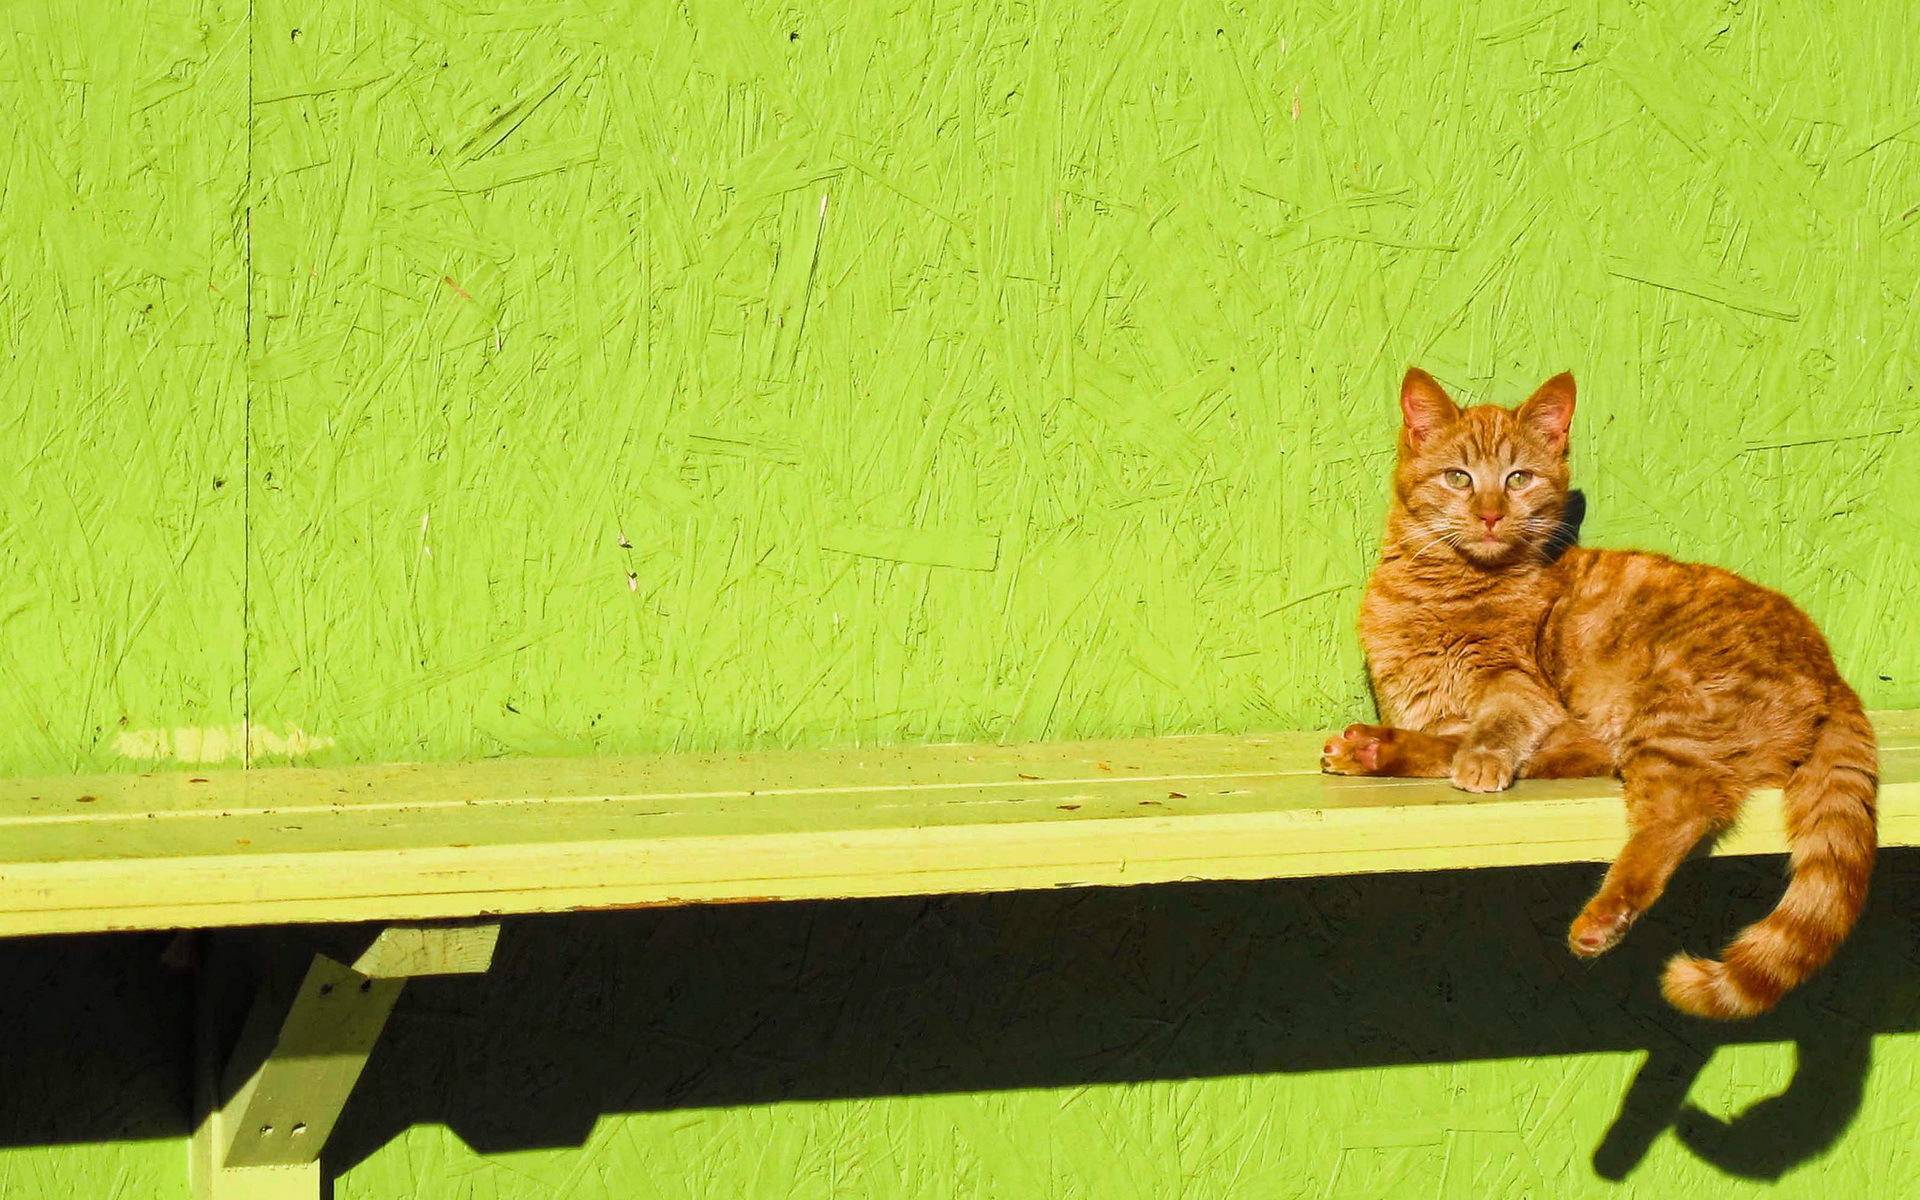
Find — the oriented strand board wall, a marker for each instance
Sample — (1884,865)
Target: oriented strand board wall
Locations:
(624,376)
(123,325)
(644,375)
(442,378)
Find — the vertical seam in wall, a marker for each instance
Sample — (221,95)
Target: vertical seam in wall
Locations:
(246,427)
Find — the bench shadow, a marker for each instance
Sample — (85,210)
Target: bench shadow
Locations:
(588,1015)
(96,1040)
(727,1005)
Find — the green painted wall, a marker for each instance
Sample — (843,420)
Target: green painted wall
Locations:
(123,318)
(409,378)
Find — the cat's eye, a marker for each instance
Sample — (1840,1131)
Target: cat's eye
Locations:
(1458,479)
(1519,479)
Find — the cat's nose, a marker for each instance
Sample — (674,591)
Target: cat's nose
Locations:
(1491,519)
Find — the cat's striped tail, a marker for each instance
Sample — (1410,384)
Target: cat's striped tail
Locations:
(1829,808)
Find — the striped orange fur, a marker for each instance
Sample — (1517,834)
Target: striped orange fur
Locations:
(1494,657)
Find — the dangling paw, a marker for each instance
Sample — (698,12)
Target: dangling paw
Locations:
(1359,750)
(1599,928)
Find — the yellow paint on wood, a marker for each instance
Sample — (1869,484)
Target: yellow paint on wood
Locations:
(410,951)
(427,841)
(284,1108)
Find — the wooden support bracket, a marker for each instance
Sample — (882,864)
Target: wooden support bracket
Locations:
(267,1110)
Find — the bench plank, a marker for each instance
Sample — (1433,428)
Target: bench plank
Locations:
(427,841)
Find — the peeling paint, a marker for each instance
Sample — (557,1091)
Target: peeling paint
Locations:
(217,745)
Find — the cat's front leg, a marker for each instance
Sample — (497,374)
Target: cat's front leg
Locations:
(1484,769)
(1385,751)
(1512,714)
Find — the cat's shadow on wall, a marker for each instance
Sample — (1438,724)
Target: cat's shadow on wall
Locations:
(1567,534)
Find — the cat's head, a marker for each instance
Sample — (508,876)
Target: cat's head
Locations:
(1487,484)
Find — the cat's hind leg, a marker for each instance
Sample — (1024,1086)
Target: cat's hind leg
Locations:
(1673,801)
(1569,752)
(1384,750)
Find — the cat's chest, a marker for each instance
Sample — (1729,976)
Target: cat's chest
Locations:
(1426,654)
(1423,681)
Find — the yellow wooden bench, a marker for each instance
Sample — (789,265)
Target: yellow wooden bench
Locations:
(435,853)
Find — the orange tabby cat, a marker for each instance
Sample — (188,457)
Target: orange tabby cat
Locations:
(1493,659)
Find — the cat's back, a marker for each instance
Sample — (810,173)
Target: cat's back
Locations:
(1632,628)
(1641,594)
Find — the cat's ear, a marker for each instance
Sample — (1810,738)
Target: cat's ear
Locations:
(1549,411)
(1426,406)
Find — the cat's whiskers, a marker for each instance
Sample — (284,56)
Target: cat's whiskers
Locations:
(1425,528)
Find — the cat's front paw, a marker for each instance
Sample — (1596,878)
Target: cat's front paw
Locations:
(1359,750)
(1480,770)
